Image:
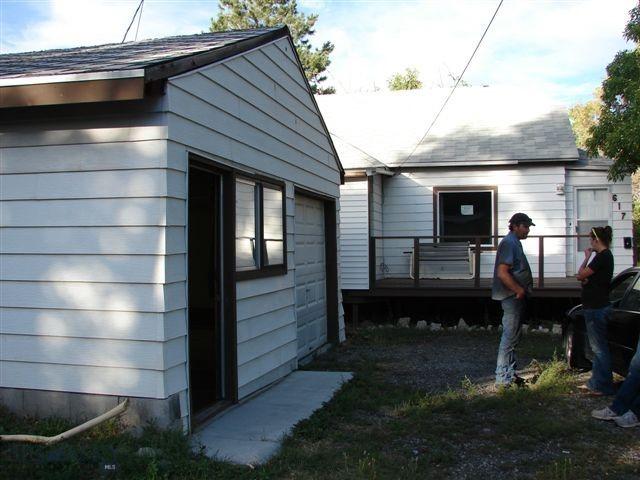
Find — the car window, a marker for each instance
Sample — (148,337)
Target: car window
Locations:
(619,286)
(632,300)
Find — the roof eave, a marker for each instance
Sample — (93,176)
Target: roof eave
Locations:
(67,92)
(116,85)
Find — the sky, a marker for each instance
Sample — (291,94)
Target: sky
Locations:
(558,47)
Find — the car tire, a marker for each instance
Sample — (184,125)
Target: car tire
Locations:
(574,348)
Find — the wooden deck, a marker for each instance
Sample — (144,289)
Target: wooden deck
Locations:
(434,287)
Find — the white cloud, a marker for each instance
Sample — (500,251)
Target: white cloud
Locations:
(562,47)
(544,44)
(71,23)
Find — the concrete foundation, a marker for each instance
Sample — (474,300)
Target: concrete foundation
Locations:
(79,407)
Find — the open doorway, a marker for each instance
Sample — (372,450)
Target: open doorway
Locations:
(207,346)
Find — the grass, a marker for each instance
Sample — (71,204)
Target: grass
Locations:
(372,430)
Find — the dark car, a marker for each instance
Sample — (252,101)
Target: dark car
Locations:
(623,328)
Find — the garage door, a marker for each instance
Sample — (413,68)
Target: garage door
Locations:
(311,298)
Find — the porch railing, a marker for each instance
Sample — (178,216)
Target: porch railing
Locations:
(477,246)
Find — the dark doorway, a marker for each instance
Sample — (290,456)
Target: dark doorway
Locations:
(206,330)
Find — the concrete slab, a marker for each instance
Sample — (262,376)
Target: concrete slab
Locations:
(252,432)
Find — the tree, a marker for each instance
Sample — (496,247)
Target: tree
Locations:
(405,81)
(242,14)
(617,133)
(584,116)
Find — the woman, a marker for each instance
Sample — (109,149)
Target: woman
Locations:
(595,276)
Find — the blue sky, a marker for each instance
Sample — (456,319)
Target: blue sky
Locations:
(560,47)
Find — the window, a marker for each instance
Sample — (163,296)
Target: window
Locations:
(619,287)
(260,228)
(466,213)
(632,300)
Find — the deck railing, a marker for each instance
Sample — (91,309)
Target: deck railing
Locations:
(476,246)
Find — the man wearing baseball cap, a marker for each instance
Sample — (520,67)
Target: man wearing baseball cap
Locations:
(512,282)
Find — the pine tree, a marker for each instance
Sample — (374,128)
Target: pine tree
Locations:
(242,14)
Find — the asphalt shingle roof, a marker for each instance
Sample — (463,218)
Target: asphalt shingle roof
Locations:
(480,125)
(119,56)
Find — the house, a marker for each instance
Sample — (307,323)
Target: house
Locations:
(169,225)
(491,152)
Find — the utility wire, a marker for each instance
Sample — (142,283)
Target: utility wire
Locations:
(454,87)
(139,18)
(132,20)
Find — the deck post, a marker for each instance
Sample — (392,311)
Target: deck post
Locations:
(416,262)
(541,262)
(372,263)
(476,263)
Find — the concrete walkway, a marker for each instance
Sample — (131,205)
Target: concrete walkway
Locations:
(252,432)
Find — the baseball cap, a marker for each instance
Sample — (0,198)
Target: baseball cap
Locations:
(521,218)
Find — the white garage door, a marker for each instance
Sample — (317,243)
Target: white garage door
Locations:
(311,298)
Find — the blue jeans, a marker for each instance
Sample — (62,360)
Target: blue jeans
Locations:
(512,309)
(596,320)
(628,397)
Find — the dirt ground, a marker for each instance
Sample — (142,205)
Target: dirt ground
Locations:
(442,361)
(554,442)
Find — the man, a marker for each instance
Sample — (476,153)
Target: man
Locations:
(512,282)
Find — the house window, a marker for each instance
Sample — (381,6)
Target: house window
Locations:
(260,228)
(466,213)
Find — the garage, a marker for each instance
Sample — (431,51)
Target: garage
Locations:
(310,275)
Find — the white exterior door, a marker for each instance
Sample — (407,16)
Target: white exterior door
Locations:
(310,277)
(592,209)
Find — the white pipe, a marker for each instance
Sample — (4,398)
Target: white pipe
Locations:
(69,433)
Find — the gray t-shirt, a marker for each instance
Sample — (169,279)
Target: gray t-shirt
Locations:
(510,252)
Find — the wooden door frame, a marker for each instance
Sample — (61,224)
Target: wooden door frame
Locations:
(330,257)
(227,280)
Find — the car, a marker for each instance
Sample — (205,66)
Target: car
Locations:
(623,328)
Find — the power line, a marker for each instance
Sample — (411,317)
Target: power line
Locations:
(139,18)
(132,20)
(454,87)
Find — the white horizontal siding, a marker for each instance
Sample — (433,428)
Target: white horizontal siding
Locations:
(113,240)
(254,113)
(354,235)
(143,326)
(266,320)
(621,213)
(98,380)
(91,352)
(408,210)
(92,254)
(245,129)
(94,268)
(126,297)
(93,212)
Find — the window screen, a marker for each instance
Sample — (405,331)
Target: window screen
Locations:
(273,227)
(246,228)
(469,214)
(260,228)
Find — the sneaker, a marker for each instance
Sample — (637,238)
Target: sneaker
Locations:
(627,420)
(604,414)
(585,390)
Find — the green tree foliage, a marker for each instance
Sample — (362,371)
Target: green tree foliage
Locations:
(405,81)
(242,14)
(584,116)
(617,133)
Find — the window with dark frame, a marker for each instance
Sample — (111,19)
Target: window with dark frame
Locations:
(260,228)
(466,214)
